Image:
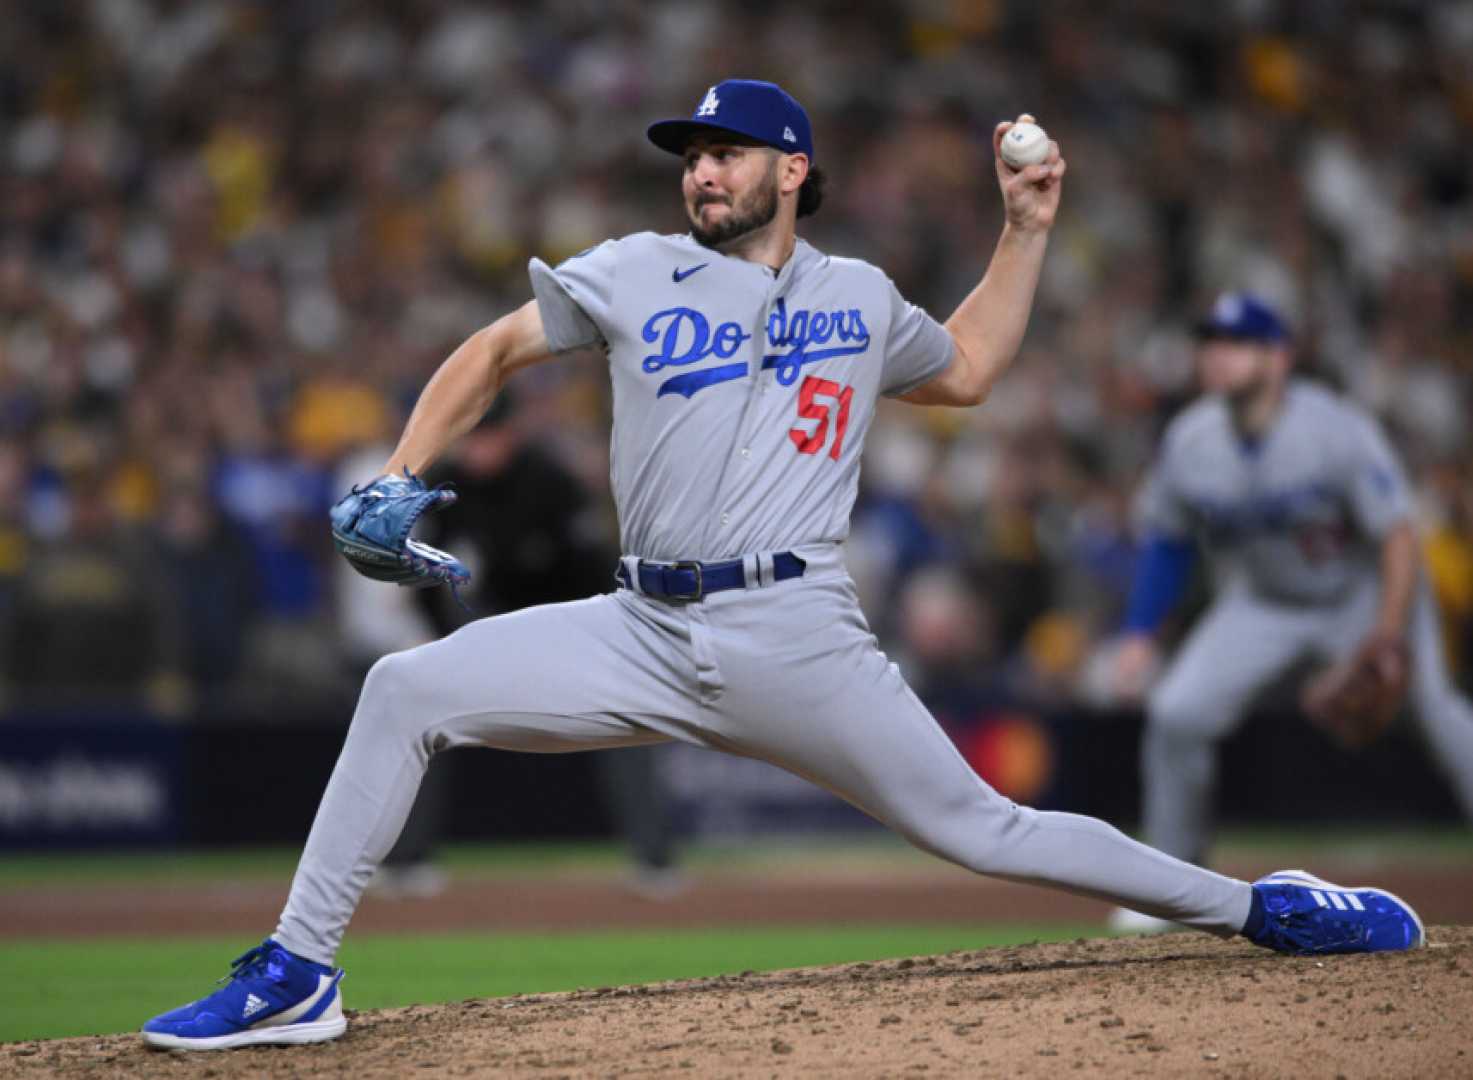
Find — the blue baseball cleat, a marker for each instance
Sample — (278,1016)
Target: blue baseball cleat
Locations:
(270,996)
(1307,916)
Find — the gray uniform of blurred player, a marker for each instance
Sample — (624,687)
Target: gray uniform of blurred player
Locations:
(1295,517)
(743,388)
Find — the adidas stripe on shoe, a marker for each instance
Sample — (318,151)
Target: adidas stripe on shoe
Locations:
(270,996)
(1306,915)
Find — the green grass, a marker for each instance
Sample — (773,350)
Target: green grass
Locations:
(51,989)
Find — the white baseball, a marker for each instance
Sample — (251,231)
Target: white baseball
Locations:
(1024,144)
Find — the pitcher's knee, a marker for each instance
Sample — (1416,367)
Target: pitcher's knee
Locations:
(981,833)
(390,696)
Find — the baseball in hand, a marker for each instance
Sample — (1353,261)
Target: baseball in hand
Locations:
(1024,144)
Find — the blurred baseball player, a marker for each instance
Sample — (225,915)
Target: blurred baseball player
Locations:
(1300,500)
(746,367)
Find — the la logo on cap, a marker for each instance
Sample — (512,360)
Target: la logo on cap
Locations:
(709,104)
(788,135)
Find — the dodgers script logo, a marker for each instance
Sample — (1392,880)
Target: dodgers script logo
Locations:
(685,337)
(1234,520)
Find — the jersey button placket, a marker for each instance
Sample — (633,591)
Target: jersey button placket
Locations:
(759,338)
(752,413)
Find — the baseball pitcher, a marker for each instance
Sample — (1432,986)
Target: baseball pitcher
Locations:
(746,367)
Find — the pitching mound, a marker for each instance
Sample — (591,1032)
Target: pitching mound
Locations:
(1175,1005)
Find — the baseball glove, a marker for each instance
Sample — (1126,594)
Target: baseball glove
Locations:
(1356,699)
(371,525)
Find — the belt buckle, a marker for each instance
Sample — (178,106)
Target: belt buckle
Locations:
(700,585)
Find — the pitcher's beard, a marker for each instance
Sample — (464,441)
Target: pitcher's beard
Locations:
(757,212)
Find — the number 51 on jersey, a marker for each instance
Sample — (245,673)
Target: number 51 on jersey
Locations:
(812,406)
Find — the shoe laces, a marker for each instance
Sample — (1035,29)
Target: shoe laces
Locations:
(1310,930)
(253,963)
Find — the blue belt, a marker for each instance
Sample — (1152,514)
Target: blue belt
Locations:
(694,580)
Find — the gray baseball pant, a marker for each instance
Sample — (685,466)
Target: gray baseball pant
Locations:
(1241,645)
(785,672)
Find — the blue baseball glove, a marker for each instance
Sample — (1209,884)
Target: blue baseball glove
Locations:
(371,525)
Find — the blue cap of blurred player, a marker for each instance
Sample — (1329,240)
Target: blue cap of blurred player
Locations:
(1241,316)
(761,111)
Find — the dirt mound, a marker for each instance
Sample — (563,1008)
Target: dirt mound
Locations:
(1174,1005)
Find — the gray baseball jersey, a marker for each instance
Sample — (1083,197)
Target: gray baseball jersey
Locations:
(1297,513)
(741,396)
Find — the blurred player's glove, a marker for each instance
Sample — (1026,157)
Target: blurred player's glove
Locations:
(371,525)
(1356,699)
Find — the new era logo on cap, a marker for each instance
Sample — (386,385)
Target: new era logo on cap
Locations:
(760,111)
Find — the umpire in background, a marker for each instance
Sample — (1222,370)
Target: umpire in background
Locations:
(531,534)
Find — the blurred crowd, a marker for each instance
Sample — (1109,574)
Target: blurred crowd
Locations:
(236,237)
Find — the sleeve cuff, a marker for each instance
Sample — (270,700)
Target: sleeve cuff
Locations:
(945,357)
(565,324)
(1162,575)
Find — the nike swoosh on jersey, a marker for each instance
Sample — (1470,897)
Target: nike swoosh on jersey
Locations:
(678,275)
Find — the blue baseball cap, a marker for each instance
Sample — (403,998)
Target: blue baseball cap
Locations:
(1241,316)
(761,111)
